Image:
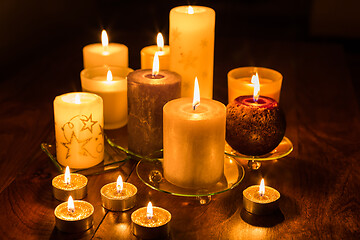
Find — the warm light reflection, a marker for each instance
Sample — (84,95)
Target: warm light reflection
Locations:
(160,41)
(109,76)
(149,211)
(67,175)
(71,206)
(262,187)
(190,10)
(156,67)
(77,99)
(196,98)
(119,184)
(256,83)
(104,39)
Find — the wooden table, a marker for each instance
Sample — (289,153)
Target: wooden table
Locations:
(319,181)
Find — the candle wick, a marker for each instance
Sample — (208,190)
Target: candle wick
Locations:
(160,49)
(195,105)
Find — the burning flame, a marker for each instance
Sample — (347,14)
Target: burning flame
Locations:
(156,67)
(109,76)
(196,98)
(190,10)
(77,99)
(119,184)
(255,81)
(71,206)
(104,39)
(160,41)
(149,211)
(262,187)
(67,175)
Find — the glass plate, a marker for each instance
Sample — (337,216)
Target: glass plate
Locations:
(151,173)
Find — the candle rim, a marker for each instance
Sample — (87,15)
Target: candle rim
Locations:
(73,178)
(126,185)
(92,209)
(197,9)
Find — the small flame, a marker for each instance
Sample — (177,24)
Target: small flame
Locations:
(104,39)
(109,76)
(67,175)
(262,188)
(196,98)
(190,10)
(119,184)
(156,67)
(255,81)
(71,206)
(160,41)
(149,211)
(77,99)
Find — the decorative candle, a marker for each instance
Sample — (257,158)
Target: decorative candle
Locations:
(255,125)
(239,82)
(194,141)
(74,216)
(110,83)
(151,222)
(260,199)
(113,54)
(118,196)
(147,54)
(67,184)
(148,91)
(79,129)
(192,47)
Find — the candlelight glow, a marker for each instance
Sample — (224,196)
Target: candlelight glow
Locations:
(160,41)
(255,81)
(190,10)
(104,39)
(156,67)
(67,175)
(196,98)
(71,206)
(109,76)
(119,184)
(262,187)
(149,212)
(77,99)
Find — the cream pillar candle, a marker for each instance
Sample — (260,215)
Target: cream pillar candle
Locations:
(147,54)
(110,83)
(192,47)
(100,54)
(79,129)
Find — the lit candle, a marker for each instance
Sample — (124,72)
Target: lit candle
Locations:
(148,53)
(118,196)
(148,91)
(192,31)
(261,199)
(74,216)
(110,54)
(151,222)
(69,184)
(110,83)
(194,141)
(79,129)
(239,82)
(255,125)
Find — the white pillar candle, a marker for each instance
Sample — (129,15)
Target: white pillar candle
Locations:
(79,129)
(147,54)
(192,47)
(110,83)
(100,54)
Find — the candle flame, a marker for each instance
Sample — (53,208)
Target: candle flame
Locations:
(255,81)
(196,98)
(156,67)
(190,10)
(71,206)
(262,187)
(67,175)
(104,39)
(109,76)
(149,211)
(160,41)
(77,99)
(119,184)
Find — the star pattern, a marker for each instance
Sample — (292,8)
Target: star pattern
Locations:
(175,34)
(188,60)
(203,43)
(83,150)
(88,123)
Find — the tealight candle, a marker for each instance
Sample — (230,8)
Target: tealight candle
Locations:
(69,184)
(118,196)
(148,53)
(74,216)
(151,222)
(261,199)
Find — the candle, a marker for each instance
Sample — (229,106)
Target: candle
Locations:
(79,129)
(151,222)
(260,199)
(255,125)
(148,91)
(239,82)
(118,196)
(67,184)
(110,84)
(194,141)
(147,54)
(110,54)
(74,216)
(192,47)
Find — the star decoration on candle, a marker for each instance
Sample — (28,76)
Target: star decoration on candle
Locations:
(175,34)
(203,43)
(188,60)
(88,123)
(83,150)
